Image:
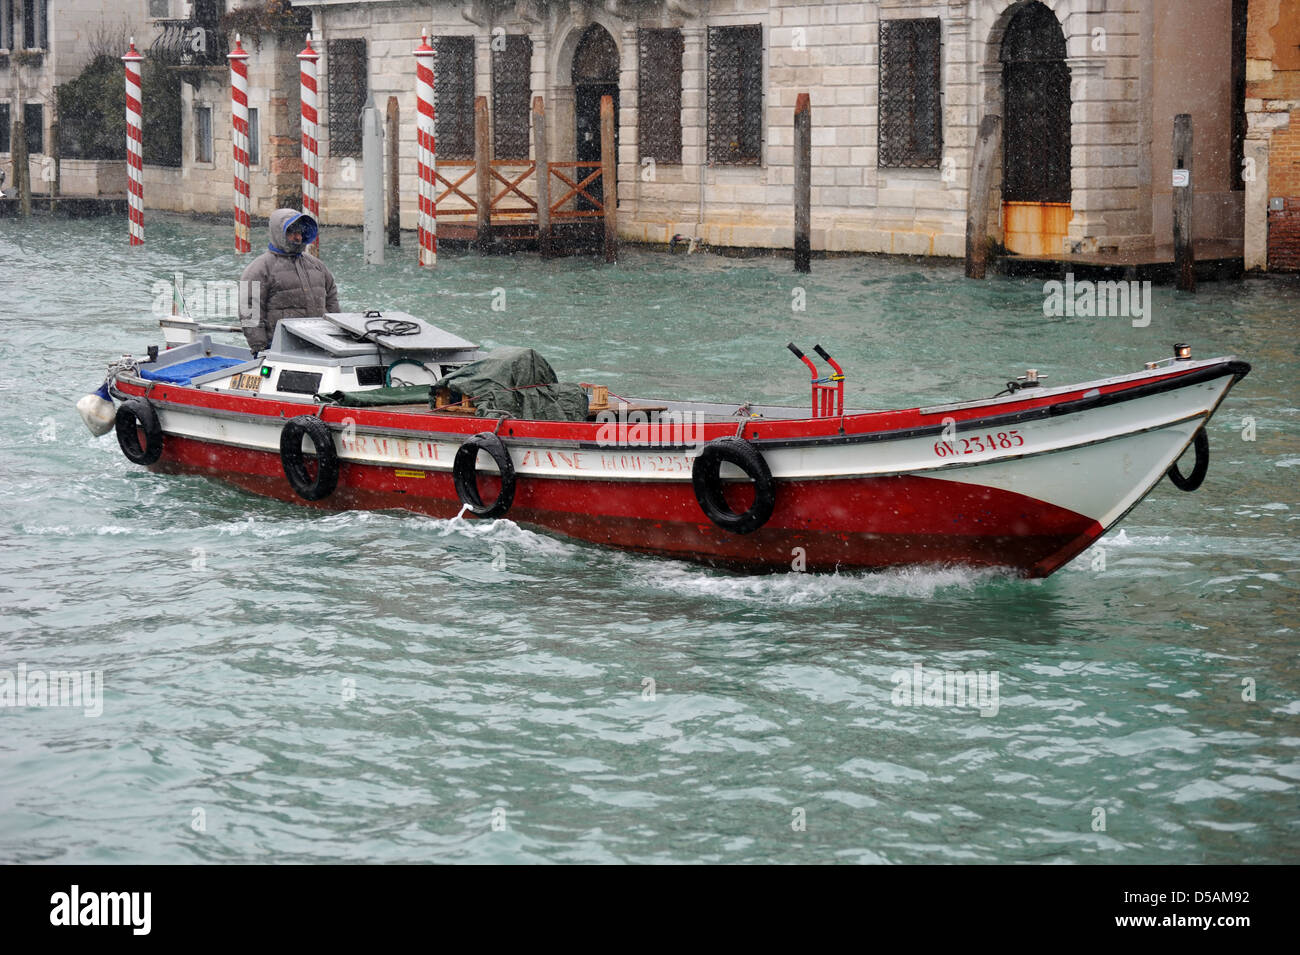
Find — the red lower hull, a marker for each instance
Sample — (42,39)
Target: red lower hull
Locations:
(877,522)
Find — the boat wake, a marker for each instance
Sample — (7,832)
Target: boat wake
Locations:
(500,532)
(794,589)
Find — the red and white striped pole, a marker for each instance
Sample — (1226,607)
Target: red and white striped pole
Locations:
(310,149)
(134,147)
(239,142)
(426,150)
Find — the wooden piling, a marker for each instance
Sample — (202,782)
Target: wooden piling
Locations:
(543,175)
(21,161)
(802,184)
(977,203)
(56,151)
(482,173)
(394,193)
(608,174)
(1184,248)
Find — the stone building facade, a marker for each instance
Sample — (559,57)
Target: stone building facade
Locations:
(1272,239)
(202,183)
(44,43)
(705,91)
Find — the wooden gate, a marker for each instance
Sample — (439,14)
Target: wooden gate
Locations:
(571,183)
(484,199)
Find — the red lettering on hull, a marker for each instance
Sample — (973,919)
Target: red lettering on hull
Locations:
(866,523)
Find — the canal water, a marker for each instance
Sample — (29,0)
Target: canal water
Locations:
(284,685)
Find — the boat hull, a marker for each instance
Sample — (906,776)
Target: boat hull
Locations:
(1025,484)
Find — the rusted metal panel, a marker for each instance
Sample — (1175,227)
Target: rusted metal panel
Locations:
(1035,228)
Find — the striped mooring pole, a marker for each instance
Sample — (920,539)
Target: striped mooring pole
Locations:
(310,149)
(427,152)
(239,142)
(134,146)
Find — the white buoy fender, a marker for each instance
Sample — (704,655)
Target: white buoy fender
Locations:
(96,409)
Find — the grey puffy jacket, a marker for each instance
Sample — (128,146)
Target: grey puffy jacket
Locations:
(291,283)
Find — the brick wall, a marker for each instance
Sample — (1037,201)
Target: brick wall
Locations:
(1284,184)
(1284,237)
(1273,134)
(1284,159)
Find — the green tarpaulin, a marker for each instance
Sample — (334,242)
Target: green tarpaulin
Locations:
(516,383)
(378,397)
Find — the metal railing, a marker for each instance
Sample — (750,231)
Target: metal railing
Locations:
(190,43)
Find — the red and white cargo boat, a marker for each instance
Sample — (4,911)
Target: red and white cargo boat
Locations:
(1025,480)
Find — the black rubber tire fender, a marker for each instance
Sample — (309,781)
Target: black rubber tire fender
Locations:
(706,476)
(1190,483)
(295,468)
(139,413)
(464,472)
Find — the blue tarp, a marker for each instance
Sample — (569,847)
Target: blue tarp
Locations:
(182,374)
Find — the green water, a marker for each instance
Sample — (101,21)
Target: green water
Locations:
(285,685)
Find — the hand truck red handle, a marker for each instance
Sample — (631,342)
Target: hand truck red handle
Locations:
(828,392)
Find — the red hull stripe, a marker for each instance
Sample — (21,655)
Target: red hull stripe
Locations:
(858,523)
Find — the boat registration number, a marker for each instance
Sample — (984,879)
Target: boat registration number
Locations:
(978,443)
(246,382)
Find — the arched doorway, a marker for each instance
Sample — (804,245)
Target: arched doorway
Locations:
(1036,150)
(595,74)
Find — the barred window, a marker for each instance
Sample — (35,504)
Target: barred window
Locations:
(159,9)
(203,134)
(453,96)
(34,127)
(4,127)
(911,118)
(736,95)
(512,88)
(6,24)
(36,25)
(254,133)
(346,72)
(659,94)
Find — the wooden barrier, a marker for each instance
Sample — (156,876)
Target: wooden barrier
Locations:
(543,179)
(609,183)
(802,184)
(578,186)
(482,179)
(394,193)
(459,178)
(475,196)
(977,202)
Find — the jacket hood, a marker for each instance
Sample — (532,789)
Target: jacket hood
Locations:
(279,224)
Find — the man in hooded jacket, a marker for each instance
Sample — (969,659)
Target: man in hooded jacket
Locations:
(285,281)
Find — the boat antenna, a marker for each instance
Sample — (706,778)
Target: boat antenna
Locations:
(178,283)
